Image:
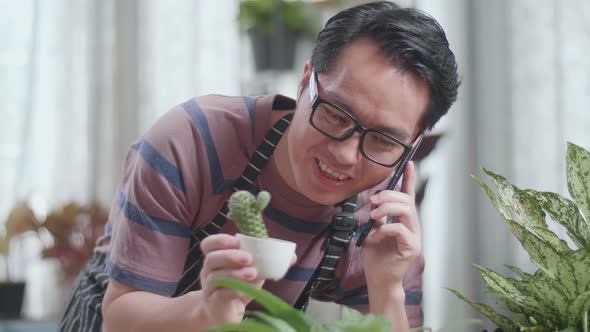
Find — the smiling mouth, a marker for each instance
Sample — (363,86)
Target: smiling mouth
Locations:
(330,173)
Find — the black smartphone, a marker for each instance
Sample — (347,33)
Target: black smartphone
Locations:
(392,183)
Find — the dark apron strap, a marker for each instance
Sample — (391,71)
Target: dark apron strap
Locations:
(342,230)
(189,280)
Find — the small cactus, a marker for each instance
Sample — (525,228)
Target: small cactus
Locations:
(246,211)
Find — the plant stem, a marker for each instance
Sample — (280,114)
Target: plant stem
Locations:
(585,322)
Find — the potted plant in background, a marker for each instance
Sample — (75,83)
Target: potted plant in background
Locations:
(557,296)
(74,229)
(67,234)
(274,26)
(20,220)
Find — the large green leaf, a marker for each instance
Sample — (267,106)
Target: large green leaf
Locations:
(504,212)
(276,323)
(540,252)
(501,285)
(500,320)
(580,260)
(351,315)
(570,329)
(573,273)
(576,309)
(534,296)
(578,177)
(353,320)
(552,239)
(518,271)
(245,326)
(549,296)
(370,323)
(525,207)
(566,213)
(274,305)
(517,201)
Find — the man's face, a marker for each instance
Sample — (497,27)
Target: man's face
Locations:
(379,96)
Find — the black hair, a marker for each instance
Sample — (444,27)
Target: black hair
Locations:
(413,41)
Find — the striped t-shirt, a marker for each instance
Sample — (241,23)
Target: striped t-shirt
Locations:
(178,175)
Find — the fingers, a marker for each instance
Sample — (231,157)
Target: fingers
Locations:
(409,180)
(218,242)
(405,214)
(247,274)
(408,243)
(390,196)
(389,231)
(226,258)
(223,258)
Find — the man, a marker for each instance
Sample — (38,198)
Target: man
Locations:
(378,78)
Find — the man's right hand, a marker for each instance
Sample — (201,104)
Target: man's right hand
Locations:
(224,258)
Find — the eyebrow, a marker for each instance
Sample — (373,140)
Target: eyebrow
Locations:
(340,101)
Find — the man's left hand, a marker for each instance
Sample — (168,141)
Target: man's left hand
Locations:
(390,248)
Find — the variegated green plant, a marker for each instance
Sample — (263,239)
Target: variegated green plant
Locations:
(557,296)
(246,211)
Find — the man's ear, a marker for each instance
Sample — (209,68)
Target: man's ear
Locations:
(304,79)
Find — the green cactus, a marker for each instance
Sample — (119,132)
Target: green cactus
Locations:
(246,211)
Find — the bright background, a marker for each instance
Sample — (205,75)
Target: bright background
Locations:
(81,79)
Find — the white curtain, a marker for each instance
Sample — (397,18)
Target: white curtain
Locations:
(82,79)
(526,92)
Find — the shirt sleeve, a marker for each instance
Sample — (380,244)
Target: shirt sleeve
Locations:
(155,206)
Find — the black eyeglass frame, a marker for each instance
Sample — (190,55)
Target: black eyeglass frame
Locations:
(316,100)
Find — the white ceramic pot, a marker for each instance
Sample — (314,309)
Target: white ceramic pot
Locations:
(272,257)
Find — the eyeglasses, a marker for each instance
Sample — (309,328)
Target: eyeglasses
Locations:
(340,125)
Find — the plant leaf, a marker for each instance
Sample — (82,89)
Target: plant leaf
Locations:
(502,286)
(351,315)
(552,239)
(500,320)
(570,329)
(249,325)
(576,309)
(530,297)
(525,203)
(354,320)
(517,201)
(578,177)
(541,253)
(504,212)
(566,213)
(369,323)
(519,272)
(276,323)
(274,305)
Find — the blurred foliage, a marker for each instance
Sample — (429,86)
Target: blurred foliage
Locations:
(263,16)
(73,230)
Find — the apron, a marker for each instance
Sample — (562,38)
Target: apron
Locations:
(83,312)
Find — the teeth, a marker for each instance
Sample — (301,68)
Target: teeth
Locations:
(331,172)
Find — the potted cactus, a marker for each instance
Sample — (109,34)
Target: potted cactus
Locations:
(272,257)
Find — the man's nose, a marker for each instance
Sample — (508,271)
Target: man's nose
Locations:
(346,152)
